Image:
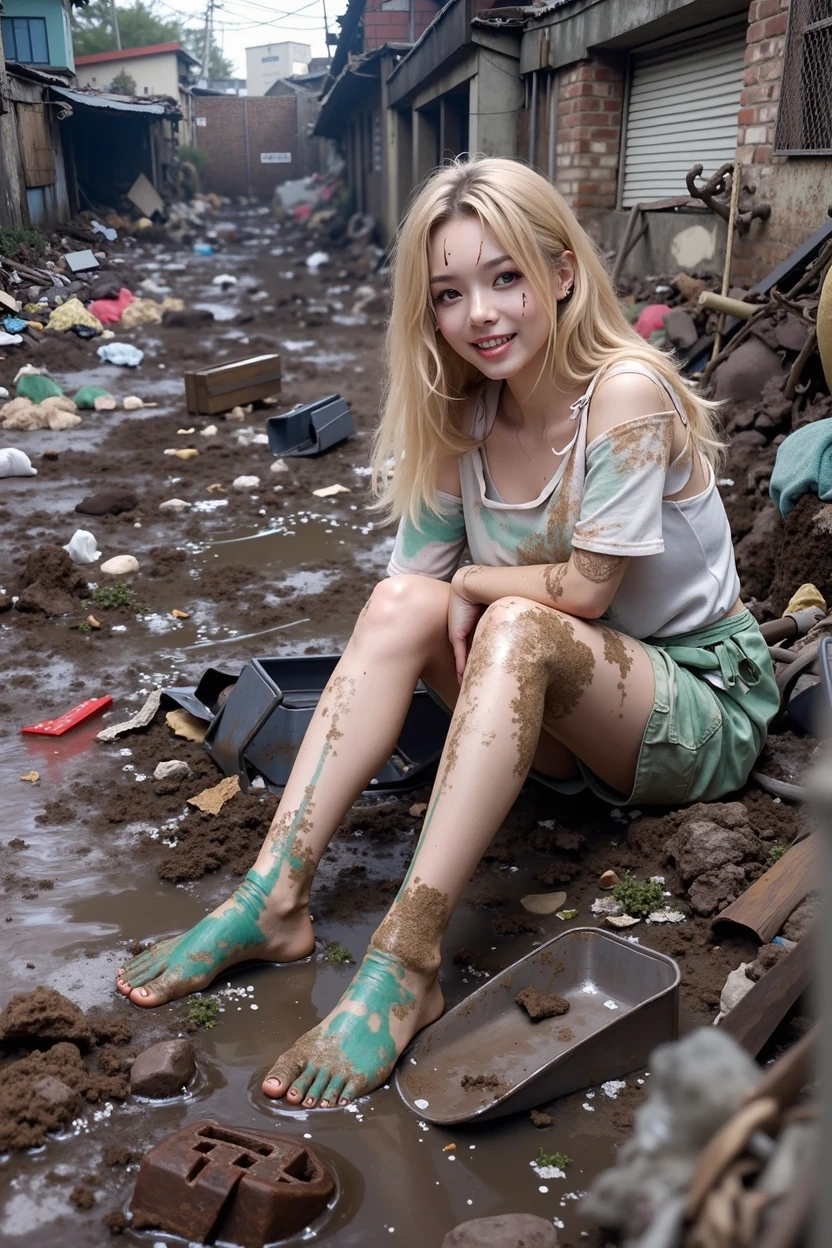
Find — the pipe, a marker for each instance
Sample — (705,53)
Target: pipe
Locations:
(533,125)
(248,150)
(553,124)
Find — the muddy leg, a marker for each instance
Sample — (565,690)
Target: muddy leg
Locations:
(401,632)
(525,657)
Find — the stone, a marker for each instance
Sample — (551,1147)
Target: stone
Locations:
(608,880)
(43,1015)
(246,483)
(736,986)
(120,565)
(163,1070)
(803,918)
(680,328)
(174,504)
(708,846)
(714,890)
(132,403)
(506,1230)
(107,502)
(171,769)
(749,437)
(55,1092)
(740,378)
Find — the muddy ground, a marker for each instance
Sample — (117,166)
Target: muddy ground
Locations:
(97,856)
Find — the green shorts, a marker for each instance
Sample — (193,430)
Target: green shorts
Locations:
(701,740)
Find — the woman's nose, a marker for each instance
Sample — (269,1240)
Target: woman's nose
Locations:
(482,308)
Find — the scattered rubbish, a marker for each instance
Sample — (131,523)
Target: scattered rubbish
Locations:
(766,904)
(418,809)
(82,547)
(104,230)
(15,463)
(329,491)
(71,314)
(132,403)
(121,353)
(180,615)
(63,723)
(609,880)
(212,800)
(666,914)
(187,452)
(221,387)
(55,412)
(317,259)
(163,1070)
(14,325)
(651,319)
(279,465)
(216,487)
(246,483)
(7,301)
(172,769)
(81,261)
(566,915)
(622,920)
(93,622)
(449,1148)
(803,466)
(210,431)
(536,1062)
(203,249)
(311,428)
(86,397)
(224,279)
(107,502)
(185,432)
(120,565)
(174,505)
(31,777)
(141,312)
(110,311)
(141,719)
(212,1183)
(105,403)
(753,1020)
(543,903)
(183,724)
(36,387)
(10,340)
(736,986)
(605,906)
(145,196)
(261,726)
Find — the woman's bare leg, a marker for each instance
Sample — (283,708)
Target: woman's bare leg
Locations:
(593,686)
(400,634)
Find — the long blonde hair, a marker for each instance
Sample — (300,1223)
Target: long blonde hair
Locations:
(427,382)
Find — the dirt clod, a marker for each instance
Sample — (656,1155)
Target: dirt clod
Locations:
(540,1005)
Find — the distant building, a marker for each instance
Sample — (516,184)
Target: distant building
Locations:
(160,69)
(270,61)
(38,33)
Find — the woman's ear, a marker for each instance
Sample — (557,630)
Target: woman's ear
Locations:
(565,277)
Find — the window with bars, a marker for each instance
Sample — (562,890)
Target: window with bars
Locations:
(804,117)
(24,40)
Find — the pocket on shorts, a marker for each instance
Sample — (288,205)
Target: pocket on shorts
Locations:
(695,712)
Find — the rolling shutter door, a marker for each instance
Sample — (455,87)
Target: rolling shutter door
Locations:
(683,111)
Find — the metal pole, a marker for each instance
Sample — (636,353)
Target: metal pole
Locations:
(206,44)
(553,125)
(411,21)
(326,32)
(248,151)
(116,30)
(533,124)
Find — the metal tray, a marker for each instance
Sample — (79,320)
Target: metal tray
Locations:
(624,1000)
(310,428)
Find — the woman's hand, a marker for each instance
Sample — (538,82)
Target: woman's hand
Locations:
(463,617)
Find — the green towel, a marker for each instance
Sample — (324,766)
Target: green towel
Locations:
(803,466)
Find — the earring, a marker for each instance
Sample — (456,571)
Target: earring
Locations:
(567,291)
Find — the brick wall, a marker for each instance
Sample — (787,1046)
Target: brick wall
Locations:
(384,25)
(590,97)
(272,123)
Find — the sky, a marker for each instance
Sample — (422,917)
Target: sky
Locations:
(241,24)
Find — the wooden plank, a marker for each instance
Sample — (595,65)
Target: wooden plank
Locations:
(36,151)
(753,1019)
(765,906)
(223,386)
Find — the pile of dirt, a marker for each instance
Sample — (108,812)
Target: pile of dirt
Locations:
(70,1061)
(539,1005)
(51,583)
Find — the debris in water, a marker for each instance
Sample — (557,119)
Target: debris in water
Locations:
(212,800)
(543,903)
(31,776)
(328,491)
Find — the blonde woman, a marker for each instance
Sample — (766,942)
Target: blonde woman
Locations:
(597,637)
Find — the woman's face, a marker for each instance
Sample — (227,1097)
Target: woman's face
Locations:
(485,308)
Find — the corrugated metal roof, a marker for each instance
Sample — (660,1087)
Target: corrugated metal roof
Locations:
(116,103)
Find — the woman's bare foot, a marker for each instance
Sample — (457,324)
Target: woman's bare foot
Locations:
(356,1047)
(249,926)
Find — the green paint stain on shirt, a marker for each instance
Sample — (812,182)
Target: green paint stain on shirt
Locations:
(447,529)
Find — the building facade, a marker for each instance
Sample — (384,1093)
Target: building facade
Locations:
(162,69)
(270,61)
(38,33)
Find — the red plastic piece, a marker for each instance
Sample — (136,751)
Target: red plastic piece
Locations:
(651,318)
(211,1183)
(57,727)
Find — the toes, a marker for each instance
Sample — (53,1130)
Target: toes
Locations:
(154,992)
(350,1093)
(318,1087)
(277,1081)
(333,1091)
(300,1086)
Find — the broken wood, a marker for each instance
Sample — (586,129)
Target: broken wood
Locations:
(727,307)
(754,1019)
(809,347)
(223,386)
(727,1145)
(765,906)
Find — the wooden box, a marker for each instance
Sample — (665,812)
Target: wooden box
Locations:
(223,386)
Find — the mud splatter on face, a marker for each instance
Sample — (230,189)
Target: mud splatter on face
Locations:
(479,253)
(616,653)
(413,929)
(524,303)
(596,567)
(445,252)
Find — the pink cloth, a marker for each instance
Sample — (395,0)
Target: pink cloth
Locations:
(651,318)
(109,311)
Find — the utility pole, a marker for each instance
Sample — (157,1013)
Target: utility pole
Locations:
(116,30)
(326,33)
(206,43)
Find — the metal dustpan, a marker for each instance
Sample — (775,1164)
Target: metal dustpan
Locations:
(623,1001)
(203,701)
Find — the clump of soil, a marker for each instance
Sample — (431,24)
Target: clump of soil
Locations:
(51,583)
(42,1017)
(540,1119)
(479,1081)
(512,925)
(540,1005)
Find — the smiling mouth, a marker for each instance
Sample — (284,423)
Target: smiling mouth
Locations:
(486,344)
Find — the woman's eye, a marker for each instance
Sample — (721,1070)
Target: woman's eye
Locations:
(445,296)
(508,278)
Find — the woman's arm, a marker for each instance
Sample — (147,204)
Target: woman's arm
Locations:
(584,586)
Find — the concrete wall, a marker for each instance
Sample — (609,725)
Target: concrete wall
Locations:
(270,61)
(237,130)
(58,31)
(675,241)
(154,75)
(496,97)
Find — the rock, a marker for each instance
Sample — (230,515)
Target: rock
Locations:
(506,1230)
(708,845)
(690,288)
(791,333)
(246,483)
(104,403)
(172,769)
(43,1015)
(55,1092)
(749,437)
(108,502)
(740,378)
(680,328)
(132,403)
(210,431)
(174,504)
(82,547)
(736,986)
(803,918)
(608,880)
(279,465)
(714,890)
(191,318)
(120,565)
(766,957)
(163,1070)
